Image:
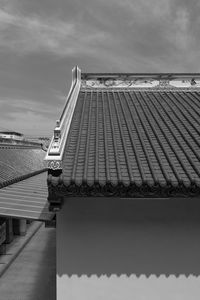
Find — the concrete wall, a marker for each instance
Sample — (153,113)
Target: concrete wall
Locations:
(128,249)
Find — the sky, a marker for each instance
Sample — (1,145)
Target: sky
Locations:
(42,40)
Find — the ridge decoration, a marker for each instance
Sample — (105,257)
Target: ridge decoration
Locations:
(54,164)
(139,83)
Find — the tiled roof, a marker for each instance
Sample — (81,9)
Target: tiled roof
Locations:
(131,142)
(123,139)
(17,163)
(26,199)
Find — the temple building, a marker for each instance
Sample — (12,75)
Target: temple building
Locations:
(124,181)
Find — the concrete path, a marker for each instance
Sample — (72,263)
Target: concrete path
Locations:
(13,249)
(32,275)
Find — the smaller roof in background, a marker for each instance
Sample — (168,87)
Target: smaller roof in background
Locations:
(11,132)
(26,199)
(18,162)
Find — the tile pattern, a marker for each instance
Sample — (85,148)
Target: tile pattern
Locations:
(133,143)
(19,162)
(26,199)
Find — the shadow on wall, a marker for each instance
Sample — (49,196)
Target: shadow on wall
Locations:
(124,236)
(44,286)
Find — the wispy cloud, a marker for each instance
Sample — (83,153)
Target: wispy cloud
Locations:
(27,115)
(147,11)
(123,33)
(25,34)
(182,36)
(29,123)
(28,105)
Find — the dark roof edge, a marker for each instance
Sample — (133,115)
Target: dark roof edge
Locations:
(20,178)
(58,188)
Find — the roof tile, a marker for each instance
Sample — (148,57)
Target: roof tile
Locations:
(18,163)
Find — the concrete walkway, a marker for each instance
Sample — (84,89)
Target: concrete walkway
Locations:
(32,275)
(13,249)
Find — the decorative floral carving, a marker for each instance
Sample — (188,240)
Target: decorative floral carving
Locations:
(118,83)
(140,82)
(189,83)
(54,164)
(164,83)
(109,82)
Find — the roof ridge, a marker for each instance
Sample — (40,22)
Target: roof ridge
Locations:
(20,178)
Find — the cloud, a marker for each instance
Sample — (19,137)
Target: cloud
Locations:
(14,105)
(165,19)
(27,116)
(29,123)
(26,34)
(183,39)
(117,34)
(40,45)
(147,11)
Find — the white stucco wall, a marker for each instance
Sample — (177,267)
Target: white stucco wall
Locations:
(128,249)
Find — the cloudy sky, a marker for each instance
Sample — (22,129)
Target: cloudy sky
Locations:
(41,41)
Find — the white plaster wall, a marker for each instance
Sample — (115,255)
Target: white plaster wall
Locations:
(116,249)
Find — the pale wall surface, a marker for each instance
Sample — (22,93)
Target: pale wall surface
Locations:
(128,249)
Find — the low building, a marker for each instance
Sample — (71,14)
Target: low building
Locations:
(23,190)
(12,135)
(124,179)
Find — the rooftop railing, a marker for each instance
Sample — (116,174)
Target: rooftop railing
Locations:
(57,144)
